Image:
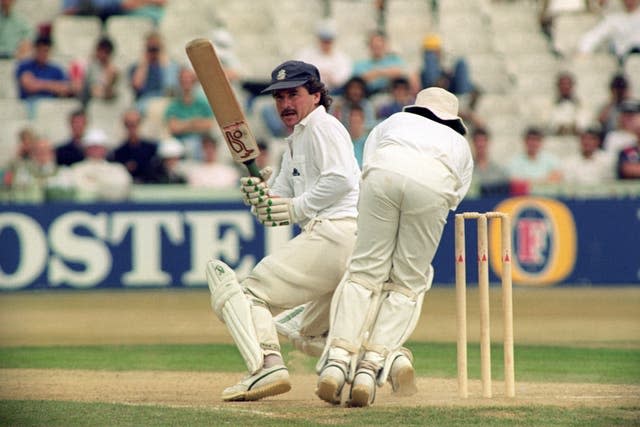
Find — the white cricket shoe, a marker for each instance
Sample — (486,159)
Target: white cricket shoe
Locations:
(403,376)
(266,382)
(363,388)
(331,382)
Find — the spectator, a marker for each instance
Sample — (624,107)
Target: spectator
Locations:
(212,173)
(101,74)
(401,96)
(153,9)
(354,93)
(155,74)
(567,116)
(96,178)
(357,131)
(433,72)
(591,166)
(489,177)
(619,91)
(534,165)
(38,77)
(381,66)
(189,115)
(629,159)
(71,150)
(623,135)
(135,152)
(334,65)
(620,29)
(15,33)
(26,138)
(224,44)
(167,165)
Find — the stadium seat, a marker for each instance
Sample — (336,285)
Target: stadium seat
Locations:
(632,70)
(12,109)
(75,36)
(52,117)
(568,29)
(127,34)
(8,87)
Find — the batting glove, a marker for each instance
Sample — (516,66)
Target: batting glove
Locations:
(254,189)
(276,211)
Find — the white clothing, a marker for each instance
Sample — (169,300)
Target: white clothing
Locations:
(422,138)
(101,180)
(319,170)
(213,175)
(335,68)
(596,170)
(622,29)
(618,140)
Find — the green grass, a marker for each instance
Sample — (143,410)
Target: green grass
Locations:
(533,363)
(49,413)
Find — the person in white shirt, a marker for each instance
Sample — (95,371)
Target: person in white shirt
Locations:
(334,65)
(622,136)
(417,166)
(96,178)
(620,29)
(211,173)
(316,188)
(591,166)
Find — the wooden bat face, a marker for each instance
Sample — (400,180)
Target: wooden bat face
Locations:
(225,106)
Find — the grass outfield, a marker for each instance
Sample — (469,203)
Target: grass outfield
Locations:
(533,364)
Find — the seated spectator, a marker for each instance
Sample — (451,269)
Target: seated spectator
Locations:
(224,44)
(489,177)
(167,165)
(189,115)
(357,131)
(401,96)
(71,150)
(381,66)
(19,163)
(155,74)
(212,173)
(99,77)
(621,29)
(433,72)
(355,92)
(39,77)
(628,165)
(623,135)
(608,114)
(567,116)
(153,9)
(135,152)
(534,165)
(96,178)
(334,65)
(591,166)
(15,33)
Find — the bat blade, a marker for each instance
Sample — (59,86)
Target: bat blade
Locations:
(226,108)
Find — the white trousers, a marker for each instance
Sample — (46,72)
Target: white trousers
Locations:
(308,268)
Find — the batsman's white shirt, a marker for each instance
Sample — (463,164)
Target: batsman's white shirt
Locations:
(319,171)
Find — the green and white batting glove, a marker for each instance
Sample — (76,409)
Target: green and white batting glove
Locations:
(276,211)
(254,189)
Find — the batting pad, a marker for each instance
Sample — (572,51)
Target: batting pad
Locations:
(232,307)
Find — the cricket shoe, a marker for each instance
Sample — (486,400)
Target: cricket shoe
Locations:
(264,383)
(363,388)
(403,376)
(331,382)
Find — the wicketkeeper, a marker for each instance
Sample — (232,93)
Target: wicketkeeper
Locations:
(417,166)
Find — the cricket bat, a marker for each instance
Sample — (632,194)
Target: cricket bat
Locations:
(226,108)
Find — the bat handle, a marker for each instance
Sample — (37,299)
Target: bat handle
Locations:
(253,168)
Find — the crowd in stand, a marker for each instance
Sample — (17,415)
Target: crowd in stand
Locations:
(366,88)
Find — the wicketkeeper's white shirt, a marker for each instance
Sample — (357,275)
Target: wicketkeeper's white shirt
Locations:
(319,170)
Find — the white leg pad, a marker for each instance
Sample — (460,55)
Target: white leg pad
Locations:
(231,306)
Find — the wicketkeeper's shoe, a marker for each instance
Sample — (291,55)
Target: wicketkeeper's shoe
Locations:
(363,388)
(403,376)
(331,382)
(266,382)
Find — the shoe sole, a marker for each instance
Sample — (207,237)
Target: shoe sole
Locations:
(328,391)
(406,382)
(272,389)
(359,396)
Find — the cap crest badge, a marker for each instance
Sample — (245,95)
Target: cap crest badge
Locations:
(282,74)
